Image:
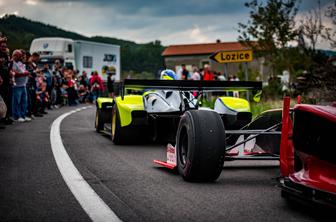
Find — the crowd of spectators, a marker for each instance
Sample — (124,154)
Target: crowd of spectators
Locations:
(204,73)
(29,88)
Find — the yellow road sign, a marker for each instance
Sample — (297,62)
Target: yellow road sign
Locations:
(232,56)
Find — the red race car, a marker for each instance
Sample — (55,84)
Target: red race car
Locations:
(308,154)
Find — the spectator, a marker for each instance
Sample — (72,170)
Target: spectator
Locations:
(110,83)
(27,62)
(48,78)
(83,94)
(5,89)
(84,80)
(97,86)
(71,89)
(57,84)
(3,107)
(184,73)
(58,68)
(196,75)
(207,74)
(53,94)
(221,77)
(42,96)
(31,66)
(19,98)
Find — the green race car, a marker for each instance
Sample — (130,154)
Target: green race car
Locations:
(155,113)
(170,111)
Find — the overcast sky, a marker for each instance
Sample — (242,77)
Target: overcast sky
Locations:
(171,22)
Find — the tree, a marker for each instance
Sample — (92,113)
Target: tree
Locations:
(272,25)
(319,83)
(136,57)
(330,33)
(311,26)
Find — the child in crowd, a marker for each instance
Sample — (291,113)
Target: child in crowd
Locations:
(83,94)
(42,95)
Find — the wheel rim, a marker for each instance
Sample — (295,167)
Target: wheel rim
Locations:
(183,151)
(113,125)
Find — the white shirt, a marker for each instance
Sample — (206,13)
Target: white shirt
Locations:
(196,76)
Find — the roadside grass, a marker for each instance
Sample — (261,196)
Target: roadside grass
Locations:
(257,108)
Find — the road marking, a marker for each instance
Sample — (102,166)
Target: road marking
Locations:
(92,204)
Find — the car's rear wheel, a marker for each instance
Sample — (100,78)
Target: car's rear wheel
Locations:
(99,123)
(130,134)
(200,146)
(118,134)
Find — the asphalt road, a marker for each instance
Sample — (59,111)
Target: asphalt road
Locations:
(32,189)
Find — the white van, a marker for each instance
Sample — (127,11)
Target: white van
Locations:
(80,55)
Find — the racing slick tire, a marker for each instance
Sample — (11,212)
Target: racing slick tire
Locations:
(125,135)
(119,135)
(99,122)
(200,143)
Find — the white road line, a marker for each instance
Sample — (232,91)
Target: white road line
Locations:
(92,204)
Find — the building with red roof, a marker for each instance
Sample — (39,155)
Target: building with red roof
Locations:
(199,55)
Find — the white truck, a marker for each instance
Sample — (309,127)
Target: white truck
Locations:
(80,55)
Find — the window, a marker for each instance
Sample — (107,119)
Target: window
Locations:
(109,58)
(69,48)
(87,61)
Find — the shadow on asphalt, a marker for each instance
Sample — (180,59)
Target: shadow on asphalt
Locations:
(250,167)
(318,212)
(166,170)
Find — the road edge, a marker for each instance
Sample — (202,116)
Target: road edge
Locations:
(89,200)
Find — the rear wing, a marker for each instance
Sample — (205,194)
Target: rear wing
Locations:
(189,85)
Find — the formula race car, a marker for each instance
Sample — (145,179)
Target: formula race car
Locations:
(202,138)
(308,154)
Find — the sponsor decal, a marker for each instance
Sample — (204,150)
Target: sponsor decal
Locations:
(171,154)
(45,45)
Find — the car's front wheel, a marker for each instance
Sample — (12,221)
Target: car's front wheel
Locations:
(200,146)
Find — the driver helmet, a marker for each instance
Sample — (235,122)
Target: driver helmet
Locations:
(168,74)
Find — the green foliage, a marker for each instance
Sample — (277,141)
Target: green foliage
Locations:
(21,31)
(318,84)
(210,103)
(257,108)
(137,57)
(252,73)
(272,24)
(296,61)
(273,90)
(137,75)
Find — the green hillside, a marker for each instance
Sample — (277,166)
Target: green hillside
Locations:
(134,57)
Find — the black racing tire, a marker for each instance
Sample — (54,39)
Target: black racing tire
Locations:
(99,120)
(125,135)
(117,132)
(200,143)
